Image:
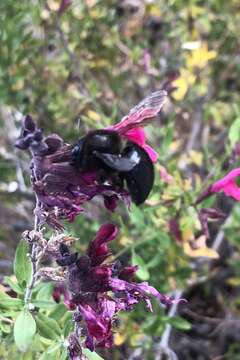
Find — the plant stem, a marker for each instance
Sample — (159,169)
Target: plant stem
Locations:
(31,284)
(34,258)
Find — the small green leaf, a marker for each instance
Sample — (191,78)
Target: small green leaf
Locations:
(24,330)
(91,355)
(50,355)
(7,301)
(13,285)
(11,303)
(44,292)
(180,323)
(142,273)
(68,327)
(234,132)
(5,328)
(58,311)
(48,327)
(43,304)
(22,265)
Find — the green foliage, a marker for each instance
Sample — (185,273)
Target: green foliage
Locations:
(22,265)
(142,273)
(84,70)
(234,132)
(91,355)
(24,330)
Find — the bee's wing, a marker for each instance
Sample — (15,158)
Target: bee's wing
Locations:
(119,162)
(141,113)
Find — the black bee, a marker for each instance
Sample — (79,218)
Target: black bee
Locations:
(104,150)
(117,160)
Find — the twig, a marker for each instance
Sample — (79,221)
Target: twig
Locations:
(163,347)
(220,235)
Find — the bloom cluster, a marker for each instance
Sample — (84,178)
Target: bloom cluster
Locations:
(96,288)
(99,289)
(61,188)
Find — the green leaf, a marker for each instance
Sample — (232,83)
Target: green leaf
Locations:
(68,327)
(50,355)
(11,303)
(43,304)
(44,292)
(142,273)
(7,301)
(234,132)
(179,323)
(5,328)
(58,311)
(91,355)
(48,327)
(14,286)
(24,330)
(22,265)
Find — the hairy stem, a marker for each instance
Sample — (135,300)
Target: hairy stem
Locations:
(34,258)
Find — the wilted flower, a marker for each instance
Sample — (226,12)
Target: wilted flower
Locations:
(100,290)
(62,188)
(209,214)
(227,184)
(74,348)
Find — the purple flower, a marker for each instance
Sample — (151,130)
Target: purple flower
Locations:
(99,290)
(61,188)
(74,348)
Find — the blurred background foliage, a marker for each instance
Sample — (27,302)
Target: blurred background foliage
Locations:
(82,65)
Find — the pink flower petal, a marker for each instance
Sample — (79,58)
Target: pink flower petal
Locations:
(232,190)
(220,184)
(136,135)
(228,185)
(151,152)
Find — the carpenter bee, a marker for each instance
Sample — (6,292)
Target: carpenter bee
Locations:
(116,158)
(104,150)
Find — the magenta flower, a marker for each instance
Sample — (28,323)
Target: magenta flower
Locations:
(138,136)
(227,184)
(99,290)
(61,188)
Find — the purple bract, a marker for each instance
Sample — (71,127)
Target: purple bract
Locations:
(99,290)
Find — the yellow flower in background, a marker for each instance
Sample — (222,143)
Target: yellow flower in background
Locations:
(182,83)
(199,249)
(198,58)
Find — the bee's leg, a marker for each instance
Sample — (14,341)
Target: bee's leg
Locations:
(118,181)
